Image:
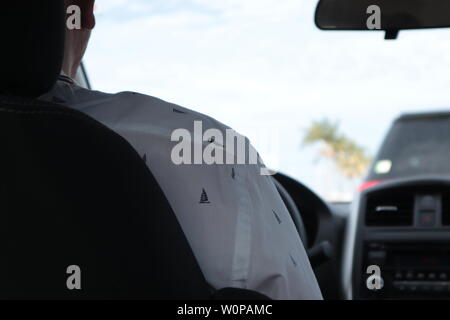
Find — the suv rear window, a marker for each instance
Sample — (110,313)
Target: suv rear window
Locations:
(415,145)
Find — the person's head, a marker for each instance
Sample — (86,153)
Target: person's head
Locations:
(77,39)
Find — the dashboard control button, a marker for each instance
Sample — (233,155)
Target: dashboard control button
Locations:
(428,203)
(427,219)
(425,288)
(412,287)
(399,285)
(401,288)
(377,257)
(438,288)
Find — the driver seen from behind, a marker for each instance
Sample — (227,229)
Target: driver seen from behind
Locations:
(230,211)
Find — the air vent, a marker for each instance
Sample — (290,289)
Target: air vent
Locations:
(446,208)
(390,208)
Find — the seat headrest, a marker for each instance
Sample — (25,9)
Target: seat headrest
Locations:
(32,36)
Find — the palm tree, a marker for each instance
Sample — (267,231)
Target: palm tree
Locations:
(349,157)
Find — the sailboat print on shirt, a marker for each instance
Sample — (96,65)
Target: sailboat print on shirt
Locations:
(204,197)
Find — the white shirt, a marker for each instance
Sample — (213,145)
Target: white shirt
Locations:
(233,217)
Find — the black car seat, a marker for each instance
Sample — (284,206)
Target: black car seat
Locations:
(81,216)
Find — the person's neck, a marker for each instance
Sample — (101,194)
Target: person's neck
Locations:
(70,69)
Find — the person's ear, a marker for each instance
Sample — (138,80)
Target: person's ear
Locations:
(87,13)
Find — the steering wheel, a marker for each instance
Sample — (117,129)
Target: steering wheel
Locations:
(293,211)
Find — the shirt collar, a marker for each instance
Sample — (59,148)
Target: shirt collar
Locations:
(62,89)
(65,78)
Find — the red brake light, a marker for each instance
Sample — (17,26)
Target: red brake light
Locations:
(369,184)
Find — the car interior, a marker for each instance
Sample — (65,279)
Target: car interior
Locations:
(398,221)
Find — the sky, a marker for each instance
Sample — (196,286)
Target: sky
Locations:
(264,69)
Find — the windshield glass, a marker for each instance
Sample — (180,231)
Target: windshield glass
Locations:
(413,147)
(315,104)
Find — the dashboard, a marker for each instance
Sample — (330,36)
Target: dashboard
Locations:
(402,228)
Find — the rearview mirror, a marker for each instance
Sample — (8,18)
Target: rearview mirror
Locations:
(388,15)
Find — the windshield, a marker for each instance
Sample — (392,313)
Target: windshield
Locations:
(315,104)
(414,146)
